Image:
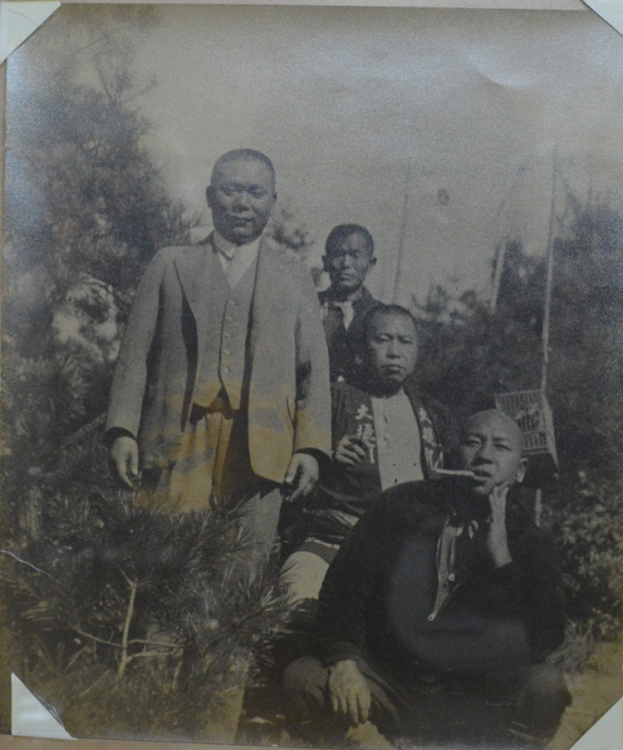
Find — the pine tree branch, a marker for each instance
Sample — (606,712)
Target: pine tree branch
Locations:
(93,684)
(29,564)
(126,629)
(148,654)
(95,638)
(75,658)
(153,643)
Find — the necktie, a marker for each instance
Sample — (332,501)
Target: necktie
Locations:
(347,312)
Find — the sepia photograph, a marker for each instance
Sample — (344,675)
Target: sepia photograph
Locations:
(312,385)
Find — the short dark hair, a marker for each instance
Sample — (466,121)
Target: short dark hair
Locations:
(342,231)
(382,309)
(238,154)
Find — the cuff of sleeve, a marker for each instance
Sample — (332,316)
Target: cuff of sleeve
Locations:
(507,573)
(324,462)
(340,652)
(115,432)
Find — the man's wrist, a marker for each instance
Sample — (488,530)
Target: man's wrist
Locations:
(344,665)
(114,433)
(501,560)
(324,462)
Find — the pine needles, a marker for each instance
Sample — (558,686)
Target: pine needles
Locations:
(130,621)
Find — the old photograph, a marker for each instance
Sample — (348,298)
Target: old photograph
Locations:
(312,333)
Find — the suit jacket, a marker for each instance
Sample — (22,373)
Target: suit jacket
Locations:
(345,344)
(287,393)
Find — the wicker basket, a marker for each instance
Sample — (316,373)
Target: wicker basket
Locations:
(532,413)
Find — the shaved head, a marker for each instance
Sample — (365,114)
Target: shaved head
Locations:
(499,418)
(242,154)
(492,447)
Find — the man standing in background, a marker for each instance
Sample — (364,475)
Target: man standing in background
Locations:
(349,256)
(222,384)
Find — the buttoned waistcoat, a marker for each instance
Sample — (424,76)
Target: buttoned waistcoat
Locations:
(286,362)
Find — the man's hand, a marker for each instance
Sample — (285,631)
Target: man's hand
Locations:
(497,541)
(301,477)
(124,460)
(350,451)
(349,691)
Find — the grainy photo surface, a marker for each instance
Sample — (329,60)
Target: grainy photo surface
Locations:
(311,381)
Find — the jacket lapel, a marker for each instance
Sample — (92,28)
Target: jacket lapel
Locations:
(201,278)
(431,449)
(263,312)
(194,271)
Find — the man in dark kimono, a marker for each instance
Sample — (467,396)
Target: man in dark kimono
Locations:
(384,432)
(438,613)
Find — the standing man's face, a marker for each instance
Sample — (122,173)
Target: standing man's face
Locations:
(348,263)
(241,196)
(392,349)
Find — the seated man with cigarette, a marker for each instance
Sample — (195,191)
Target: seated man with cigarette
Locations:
(384,432)
(439,611)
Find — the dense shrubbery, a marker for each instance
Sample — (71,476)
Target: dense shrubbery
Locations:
(587,517)
(128,607)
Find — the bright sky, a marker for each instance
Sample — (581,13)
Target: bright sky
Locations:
(357,106)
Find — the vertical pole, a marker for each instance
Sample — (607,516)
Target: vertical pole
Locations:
(403,230)
(497,277)
(538,500)
(538,506)
(549,278)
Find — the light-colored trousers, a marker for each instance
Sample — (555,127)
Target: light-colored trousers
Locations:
(212,463)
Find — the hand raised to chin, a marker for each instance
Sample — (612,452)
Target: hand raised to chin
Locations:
(497,540)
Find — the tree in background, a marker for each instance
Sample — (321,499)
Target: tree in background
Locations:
(466,349)
(286,230)
(469,353)
(126,619)
(86,209)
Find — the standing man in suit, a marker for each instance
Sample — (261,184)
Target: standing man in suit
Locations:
(349,256)
(222,384)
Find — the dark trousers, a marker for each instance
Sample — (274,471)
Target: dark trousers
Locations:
(436,709)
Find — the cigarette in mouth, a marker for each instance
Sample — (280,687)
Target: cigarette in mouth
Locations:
(455,473)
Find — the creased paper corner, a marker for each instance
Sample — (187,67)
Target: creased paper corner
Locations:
(18,20)
(605,734)
(610,10)
(30,718)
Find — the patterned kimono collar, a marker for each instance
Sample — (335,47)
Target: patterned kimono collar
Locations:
(431,447)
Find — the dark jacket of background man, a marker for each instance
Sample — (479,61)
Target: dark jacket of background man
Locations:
(349,257)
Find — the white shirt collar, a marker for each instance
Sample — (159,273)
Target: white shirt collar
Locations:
(228,248)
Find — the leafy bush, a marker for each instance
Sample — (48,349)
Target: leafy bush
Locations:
(588,520)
